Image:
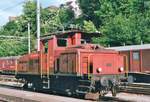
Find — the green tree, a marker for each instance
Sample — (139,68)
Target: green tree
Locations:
(89,7)
(120,21)
(52,19)
(66,16)
(49,20)
(89,26)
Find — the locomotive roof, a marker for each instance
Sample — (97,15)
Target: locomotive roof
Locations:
(131,47)
(64,34)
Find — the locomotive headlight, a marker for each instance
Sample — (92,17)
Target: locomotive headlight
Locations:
(121,69)
(99,70)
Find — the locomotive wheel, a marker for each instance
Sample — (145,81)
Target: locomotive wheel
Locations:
(103,92)
(69,93)
(25,86)
(114,91)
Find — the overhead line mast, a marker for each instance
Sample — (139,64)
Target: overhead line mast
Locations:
(38,25)
(29,39)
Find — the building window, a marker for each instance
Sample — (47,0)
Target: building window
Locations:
(136,56)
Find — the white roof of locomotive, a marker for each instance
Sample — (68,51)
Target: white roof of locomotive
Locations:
(130,47)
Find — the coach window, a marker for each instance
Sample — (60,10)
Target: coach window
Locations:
(136,56)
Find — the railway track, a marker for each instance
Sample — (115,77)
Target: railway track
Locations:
(6,98)
(137,88)
(12,95)
(112,99)
(12,84)
(10,81)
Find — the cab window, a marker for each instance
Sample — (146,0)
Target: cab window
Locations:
(61,42)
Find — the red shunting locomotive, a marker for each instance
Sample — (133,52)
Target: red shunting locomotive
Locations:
(69,64)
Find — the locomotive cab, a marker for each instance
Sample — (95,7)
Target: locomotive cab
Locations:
(54,44)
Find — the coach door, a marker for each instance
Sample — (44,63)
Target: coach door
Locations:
(135,61)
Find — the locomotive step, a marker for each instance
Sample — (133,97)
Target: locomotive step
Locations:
(44,87)
(81,92)
(85,82)
(83,86)
(45,82)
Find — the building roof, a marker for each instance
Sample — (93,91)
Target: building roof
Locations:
(9,57)
(131,47)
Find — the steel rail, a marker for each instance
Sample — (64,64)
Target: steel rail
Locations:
(137,88)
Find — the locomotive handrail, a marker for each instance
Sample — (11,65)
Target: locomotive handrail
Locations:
(126,67)
(41,63)
(89,74)
(16,67)
(47,66)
